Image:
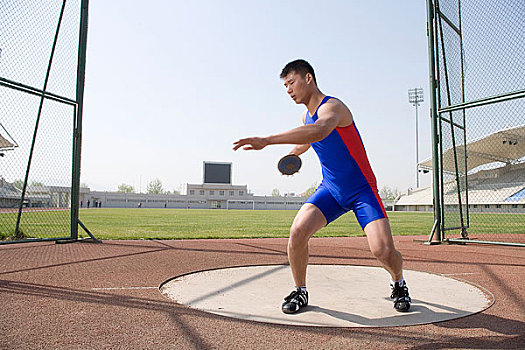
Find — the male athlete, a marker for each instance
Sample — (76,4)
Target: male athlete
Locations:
(348,183)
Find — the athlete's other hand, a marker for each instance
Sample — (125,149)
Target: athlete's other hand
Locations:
(250,143)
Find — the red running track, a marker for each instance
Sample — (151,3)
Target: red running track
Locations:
(105,296)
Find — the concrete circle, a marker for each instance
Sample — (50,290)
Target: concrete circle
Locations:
(340,296)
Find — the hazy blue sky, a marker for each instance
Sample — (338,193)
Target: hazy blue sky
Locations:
(171,84)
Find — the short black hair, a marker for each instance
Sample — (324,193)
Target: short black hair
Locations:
(299,66)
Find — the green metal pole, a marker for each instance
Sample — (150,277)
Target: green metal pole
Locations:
(77,133)
(452,124)
(485,101)
(464,233)
(434,117)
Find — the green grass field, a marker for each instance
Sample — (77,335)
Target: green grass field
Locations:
(201,223)
(108,223)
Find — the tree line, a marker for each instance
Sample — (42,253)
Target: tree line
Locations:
(386,192)
(154,187)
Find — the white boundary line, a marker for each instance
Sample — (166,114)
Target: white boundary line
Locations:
(124,288)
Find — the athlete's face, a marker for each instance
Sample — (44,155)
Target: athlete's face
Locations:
(298,86)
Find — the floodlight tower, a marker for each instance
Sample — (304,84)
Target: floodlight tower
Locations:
(415,96)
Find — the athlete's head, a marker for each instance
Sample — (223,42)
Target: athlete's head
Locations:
(299,79)
(300,67)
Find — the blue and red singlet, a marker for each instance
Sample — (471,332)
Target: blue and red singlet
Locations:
(348,180)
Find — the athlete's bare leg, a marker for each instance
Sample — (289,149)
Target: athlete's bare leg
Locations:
(382,246)
(307,222)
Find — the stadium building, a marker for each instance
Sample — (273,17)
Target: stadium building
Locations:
(215,192)
(495,176)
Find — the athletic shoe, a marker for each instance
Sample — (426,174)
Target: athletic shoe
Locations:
(401,298)
(296,300)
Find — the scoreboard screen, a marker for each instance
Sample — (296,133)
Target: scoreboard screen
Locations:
(217,173)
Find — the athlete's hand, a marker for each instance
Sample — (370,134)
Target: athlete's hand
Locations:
(250,143)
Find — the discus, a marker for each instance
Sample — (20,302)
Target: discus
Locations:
(289,164)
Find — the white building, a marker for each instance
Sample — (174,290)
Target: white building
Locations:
(216,192)
(198,196)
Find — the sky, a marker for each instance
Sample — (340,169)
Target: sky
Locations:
(170,84)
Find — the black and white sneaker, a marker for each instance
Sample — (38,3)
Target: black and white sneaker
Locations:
(401,298)
(296,300)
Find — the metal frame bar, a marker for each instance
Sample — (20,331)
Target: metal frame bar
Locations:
(436,229)
(449,22)
(452,130)
(451,122)
(465,241)
(34,91)
(485,101)
(30,240)
(464,113)
(441,118)
(452,228)
(77,134)
(440,196)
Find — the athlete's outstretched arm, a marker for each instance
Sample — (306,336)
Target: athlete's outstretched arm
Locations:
(300,149)
(327,121)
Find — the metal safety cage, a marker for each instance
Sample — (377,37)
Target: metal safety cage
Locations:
(477,96)
(42,69)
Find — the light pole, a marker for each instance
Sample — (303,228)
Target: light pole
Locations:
(415,96)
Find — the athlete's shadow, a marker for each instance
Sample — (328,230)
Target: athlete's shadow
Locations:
(419,314)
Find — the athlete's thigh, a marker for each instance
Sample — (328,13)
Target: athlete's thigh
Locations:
(323,200)
(367,207)
(308,221)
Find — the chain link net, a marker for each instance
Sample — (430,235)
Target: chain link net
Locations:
(480,60)
(37,116)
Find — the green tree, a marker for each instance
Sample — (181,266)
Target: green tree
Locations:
(310,190)
(276,192)
(389,193)
(125,188)
(18,184)
(155,186)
